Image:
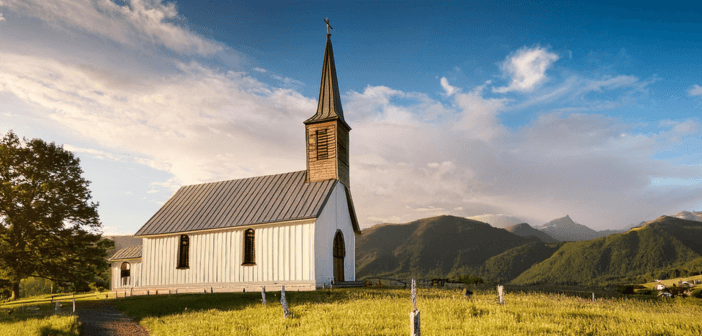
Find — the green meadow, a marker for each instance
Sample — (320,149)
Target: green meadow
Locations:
(384,311)
(37,316)
(364,311)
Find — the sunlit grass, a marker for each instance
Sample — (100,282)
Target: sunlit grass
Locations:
(386,312)
(671,282)
(37,323)
(37,316)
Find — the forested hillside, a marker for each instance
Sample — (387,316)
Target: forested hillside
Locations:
(431,247)
(662,248)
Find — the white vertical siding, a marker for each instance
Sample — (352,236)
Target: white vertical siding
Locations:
(284,252)
(335,216)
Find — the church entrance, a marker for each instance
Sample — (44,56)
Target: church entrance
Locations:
(339,254)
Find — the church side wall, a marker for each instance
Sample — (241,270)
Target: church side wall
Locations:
(134,278)
(334,216)
(282,254)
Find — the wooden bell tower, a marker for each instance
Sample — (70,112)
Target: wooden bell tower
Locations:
(327,133)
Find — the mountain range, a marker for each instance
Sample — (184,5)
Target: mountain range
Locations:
(448,246)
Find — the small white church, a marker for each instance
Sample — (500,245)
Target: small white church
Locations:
(293,229)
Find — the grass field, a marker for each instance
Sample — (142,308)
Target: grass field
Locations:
(386,312)
(382,311)
(671,282)
(37,317)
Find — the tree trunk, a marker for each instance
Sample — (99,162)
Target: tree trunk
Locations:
(15,291)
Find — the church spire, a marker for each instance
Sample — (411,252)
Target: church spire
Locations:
(327,133)
(329,105)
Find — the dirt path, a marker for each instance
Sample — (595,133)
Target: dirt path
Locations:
(105,319)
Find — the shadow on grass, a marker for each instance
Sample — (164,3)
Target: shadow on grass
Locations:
(48,331)
(139,307)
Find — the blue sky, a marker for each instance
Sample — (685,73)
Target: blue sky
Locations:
(529,109)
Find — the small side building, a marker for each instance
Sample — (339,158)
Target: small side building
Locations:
(126,268)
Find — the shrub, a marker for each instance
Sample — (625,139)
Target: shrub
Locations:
(473,280)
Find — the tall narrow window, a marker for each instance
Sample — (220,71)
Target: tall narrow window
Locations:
(339,253)
(184,252)
(322,144)
(249,248)
(125,272)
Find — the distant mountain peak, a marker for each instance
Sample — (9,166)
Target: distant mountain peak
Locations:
(565,229)
(690,215)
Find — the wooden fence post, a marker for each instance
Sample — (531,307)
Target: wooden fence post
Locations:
(284,303)
(593,297)
(56,308)
(74,303)
(263,295)
(415,329)
(501,294)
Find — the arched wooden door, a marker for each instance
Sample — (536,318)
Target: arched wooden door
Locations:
(339,254)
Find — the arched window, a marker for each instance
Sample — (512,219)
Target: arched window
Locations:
(184,252)
(249,247)
(339,255)
(125,272)
(125,269)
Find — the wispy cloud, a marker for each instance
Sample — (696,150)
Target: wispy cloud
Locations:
(133,23)
(526,68)
(695,90)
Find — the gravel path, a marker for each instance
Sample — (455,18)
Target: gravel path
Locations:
(105,319)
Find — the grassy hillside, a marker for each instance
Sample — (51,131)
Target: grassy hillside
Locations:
(511,263)
(431,247)
(525,230)
(664,247)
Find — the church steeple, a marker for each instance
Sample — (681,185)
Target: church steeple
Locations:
(329,105)
(327,133)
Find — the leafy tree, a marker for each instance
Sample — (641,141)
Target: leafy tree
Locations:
(49,228)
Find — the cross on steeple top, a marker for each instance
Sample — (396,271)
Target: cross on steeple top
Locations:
(328,26)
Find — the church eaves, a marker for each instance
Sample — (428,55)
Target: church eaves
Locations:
(329,105)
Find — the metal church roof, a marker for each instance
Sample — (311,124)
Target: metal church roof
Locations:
(329,105)
(255,200)
(131,252)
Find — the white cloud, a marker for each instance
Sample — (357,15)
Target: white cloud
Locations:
(695,90)
(478,118)
(197,123)
(134,23)
(450,90)
(527,69)
(261,70)
(288,81)
(572,163)
(1,18)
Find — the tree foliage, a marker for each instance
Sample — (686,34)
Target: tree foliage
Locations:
(49,227)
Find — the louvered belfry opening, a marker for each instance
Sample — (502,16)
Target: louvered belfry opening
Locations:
(249,247)
(184,252)
(322,144)
(339,255)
